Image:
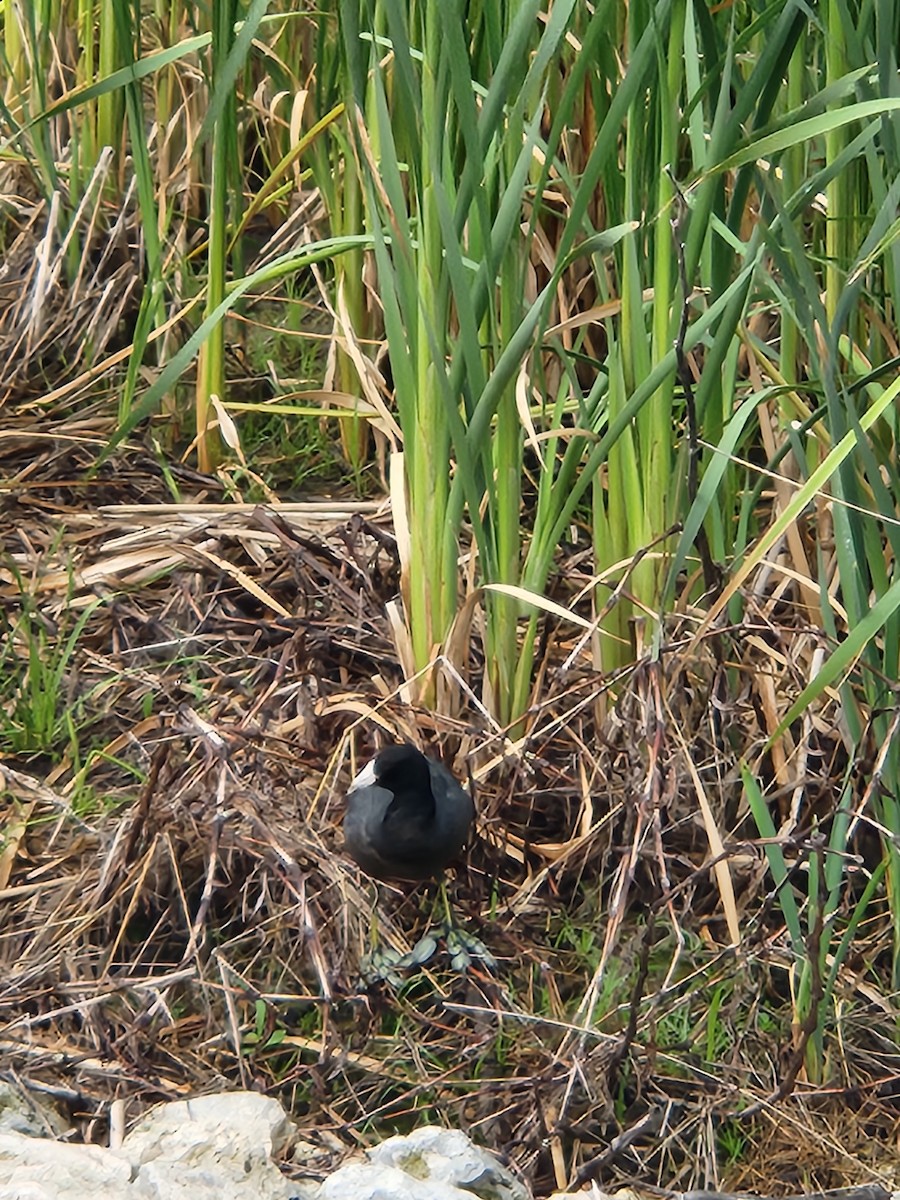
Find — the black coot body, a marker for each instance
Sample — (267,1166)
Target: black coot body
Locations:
(407,817)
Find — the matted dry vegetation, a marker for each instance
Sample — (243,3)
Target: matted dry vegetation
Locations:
(178,915)
(186,689)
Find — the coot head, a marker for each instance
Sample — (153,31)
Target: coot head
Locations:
(407,817)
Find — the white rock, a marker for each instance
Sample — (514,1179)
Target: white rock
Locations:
(38,1169)
(215,1147)
(244,1121)
(212,1146)
(429,1164)
(222,1147)
(367,1181)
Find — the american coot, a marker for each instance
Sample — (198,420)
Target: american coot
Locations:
(407,817)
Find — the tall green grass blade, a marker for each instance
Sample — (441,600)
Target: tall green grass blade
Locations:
(785,897)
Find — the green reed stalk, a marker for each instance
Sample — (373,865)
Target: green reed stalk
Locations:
(111,20)
(15,59)
(222,198)
(455,111)
(340,185)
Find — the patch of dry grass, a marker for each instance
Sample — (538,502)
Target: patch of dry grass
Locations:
(178,915)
